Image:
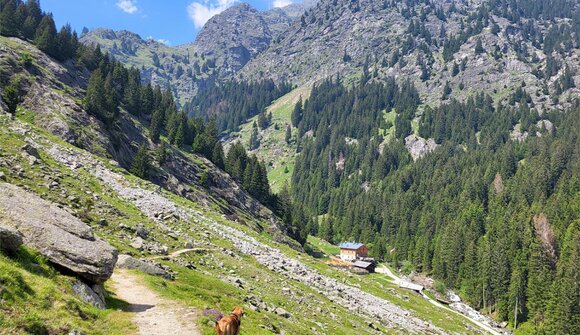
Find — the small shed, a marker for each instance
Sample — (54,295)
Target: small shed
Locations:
(350,251)
(368,266)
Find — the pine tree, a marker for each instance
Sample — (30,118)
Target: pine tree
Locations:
(297,113)
(8,22)
(288,136)
(33,17)
(217,155)
(479,47)
(10,96)
(446,91)
(455,69)
(179,135)
(156,125)
(254,138)
(45,36)
(141,165)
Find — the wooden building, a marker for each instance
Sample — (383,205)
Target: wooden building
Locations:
(367,266)
(351,251)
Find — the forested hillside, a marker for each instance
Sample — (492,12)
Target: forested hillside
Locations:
(494,218)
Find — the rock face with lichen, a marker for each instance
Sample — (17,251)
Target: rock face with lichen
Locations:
(64,239)
(418,146)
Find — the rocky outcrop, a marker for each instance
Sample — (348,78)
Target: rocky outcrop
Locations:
(10,239)
(418,146)
(337,37)
(66,241)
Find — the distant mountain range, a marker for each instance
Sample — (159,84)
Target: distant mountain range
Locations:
(464,47)
(227,42)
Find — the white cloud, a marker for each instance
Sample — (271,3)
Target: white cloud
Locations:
(282,3)
(160,40)
(201,11)
(127,6)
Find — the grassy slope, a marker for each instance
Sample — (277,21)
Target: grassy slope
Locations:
(35,299)
(273,150)
(382,286)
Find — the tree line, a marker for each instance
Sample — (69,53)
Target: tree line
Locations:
(233,103)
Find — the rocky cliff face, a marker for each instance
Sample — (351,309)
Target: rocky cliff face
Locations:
(429,43)
(238,34)
(227,42)
(180,69)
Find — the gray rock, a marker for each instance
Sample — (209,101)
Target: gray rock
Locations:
(282,312)
(418,146)
(10,239)
(128,262)
(137,243)
(30,150)
(142,232)
(55,233)
(2,176)
(93,295)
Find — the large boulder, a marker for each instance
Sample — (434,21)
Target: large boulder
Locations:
(64,239)
(10,239)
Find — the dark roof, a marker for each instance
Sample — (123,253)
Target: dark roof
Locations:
(350,245)
(362,264)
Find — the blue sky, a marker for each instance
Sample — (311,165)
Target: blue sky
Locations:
(173,22)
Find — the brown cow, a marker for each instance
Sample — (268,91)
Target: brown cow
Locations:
(230,325)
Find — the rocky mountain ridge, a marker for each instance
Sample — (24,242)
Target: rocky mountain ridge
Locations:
(221,49)
(466,46)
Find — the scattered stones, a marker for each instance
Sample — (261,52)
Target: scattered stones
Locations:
(128,262)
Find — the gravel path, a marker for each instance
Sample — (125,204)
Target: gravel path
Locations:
(152,314)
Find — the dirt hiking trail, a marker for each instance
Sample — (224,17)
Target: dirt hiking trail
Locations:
(153,315)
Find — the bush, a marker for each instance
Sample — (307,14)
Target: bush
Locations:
(11,96)
(440,287)
(26,59)
(407,267)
